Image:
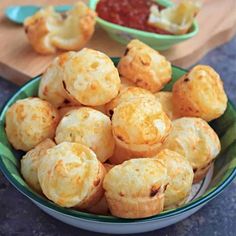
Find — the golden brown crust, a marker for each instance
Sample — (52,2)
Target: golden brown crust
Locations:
(48,30)
(139,127)
(30,121)
(196,140)
(180,178)
(146,197)
(199,93)
(38,34)
(144,66)
(91,78)
(89,127)
(51,87)
(71,176)
(126,94)
(30,162)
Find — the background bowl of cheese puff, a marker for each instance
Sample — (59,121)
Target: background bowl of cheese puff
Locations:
(123,34)
(119,145)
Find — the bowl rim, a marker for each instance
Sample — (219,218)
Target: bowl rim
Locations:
(194,31)
(231,174)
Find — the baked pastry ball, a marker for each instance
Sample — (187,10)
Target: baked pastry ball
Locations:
(91,78)
(48,30)
(135,189)
(165,98)
(139,127)
(180,175)
(197,141)
(200,93)
(126,94)
(51,86)
(89,127)
(71,176)
(144,66)
(30,162)
(29,121)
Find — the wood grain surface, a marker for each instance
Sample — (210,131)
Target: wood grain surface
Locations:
(19,63)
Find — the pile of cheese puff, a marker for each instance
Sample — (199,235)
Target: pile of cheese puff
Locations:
(105,140)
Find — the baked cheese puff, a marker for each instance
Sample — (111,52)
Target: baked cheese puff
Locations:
(48,30)
(91,78)
(101,207)
(71,176)
(200,93)
(135,188)
(144,66)
(89,127)
(180,175)
(29,121)
(197,141)
(51,86)
(30,162)
(165,98)
(139,127)
(126,94)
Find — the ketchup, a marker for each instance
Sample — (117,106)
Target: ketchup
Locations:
(129,13)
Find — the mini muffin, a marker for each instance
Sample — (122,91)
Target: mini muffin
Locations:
(200,93)
(197,141)
(89,127)
(30,163)
(71,176)
(139,127)
(165,98)
(101,207)
(136,188)
(144,66)
(29,121)
(51,86)
(180,175)
(126,94)
(91,78)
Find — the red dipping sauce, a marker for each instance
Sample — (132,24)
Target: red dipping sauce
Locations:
(129,13)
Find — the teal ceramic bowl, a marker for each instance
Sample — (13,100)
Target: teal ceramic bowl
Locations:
(217,179)
(158,41)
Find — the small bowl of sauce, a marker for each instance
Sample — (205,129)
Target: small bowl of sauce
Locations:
(128,19)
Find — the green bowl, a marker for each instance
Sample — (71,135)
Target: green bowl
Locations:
(222,175)
(158,41)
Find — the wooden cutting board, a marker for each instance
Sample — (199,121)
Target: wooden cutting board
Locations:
(19,63)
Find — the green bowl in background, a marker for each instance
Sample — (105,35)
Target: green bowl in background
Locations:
(221,175)
(124,34)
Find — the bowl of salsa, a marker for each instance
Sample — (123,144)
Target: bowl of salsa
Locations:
(124,20)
